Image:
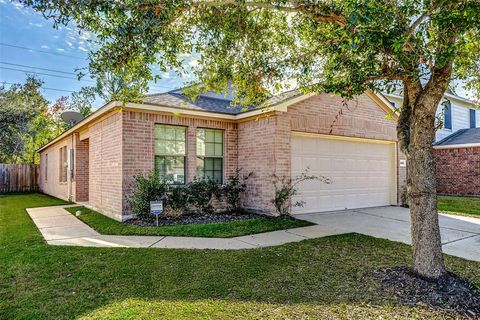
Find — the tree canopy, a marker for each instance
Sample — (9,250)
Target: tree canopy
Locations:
(265,47)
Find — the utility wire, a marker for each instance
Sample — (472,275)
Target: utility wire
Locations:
(160,87)
(32,67)
(41,51)
(45,74)
(46,88)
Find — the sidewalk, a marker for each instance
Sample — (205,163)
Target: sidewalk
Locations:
(59,227)
(460,235)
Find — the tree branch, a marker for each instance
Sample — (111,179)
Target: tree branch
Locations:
(308,10)
(417,22)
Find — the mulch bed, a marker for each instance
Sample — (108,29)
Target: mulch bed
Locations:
(194,219)
(450,293)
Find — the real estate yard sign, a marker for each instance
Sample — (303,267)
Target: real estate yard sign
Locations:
(156,208)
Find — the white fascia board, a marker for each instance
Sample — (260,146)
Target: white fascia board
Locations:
(457,146)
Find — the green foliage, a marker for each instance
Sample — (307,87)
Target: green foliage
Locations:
(22,126)
(266,47)
(83,100)
(27,121)
(202,192)
(177,200)
(286,189)
(233,188)
(146,188)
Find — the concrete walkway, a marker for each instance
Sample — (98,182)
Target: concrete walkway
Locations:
(460,235)
(59,227)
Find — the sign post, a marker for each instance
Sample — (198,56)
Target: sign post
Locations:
(156,208)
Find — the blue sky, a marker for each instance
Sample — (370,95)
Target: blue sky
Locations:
(60,50)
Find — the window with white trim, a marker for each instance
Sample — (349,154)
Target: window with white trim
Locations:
(170,153)
(210,154)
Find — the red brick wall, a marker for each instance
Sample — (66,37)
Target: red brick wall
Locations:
(458,171)
(138,144)
(81,170)
(105,170)
(326,114)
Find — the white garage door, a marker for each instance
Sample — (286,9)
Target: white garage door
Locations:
(362,172)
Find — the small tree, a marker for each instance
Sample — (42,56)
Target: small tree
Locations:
(233,188)
(286,189)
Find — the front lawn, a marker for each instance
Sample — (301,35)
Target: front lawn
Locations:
(459,205)
(325,278)
(106,225)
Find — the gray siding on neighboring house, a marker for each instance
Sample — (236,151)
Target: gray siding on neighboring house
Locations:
(460,120)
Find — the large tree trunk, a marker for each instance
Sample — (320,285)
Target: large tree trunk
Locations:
(416,131)
(421,184)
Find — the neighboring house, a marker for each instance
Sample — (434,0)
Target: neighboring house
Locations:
(455,112)
(355,146)
(457,160)
(457,145)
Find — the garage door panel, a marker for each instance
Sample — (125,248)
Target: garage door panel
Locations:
(362,173)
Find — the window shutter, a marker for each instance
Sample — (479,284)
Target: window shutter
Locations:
(473,120)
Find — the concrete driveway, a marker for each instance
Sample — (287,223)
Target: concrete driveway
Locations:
(460,235)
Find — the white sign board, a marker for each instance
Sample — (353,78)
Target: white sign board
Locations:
(156,207)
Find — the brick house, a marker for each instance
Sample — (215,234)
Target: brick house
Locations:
(457,160)
(355,145)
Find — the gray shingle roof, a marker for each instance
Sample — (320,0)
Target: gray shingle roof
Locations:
(462,136)
(176,99)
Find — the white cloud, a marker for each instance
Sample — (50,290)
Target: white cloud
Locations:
(44,46)
(61,49)
(38,25)
(20,7)
(69,43)
(82,48)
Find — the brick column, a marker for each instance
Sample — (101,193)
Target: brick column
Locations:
(191,157)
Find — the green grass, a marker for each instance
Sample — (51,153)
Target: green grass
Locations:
(459,205)
(312,279)
(106,225)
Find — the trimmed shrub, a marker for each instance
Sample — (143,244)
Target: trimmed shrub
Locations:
(233,188)
(146,188)
(176,201)
(202,192)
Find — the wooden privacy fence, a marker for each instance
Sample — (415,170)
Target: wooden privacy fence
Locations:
(19,177)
